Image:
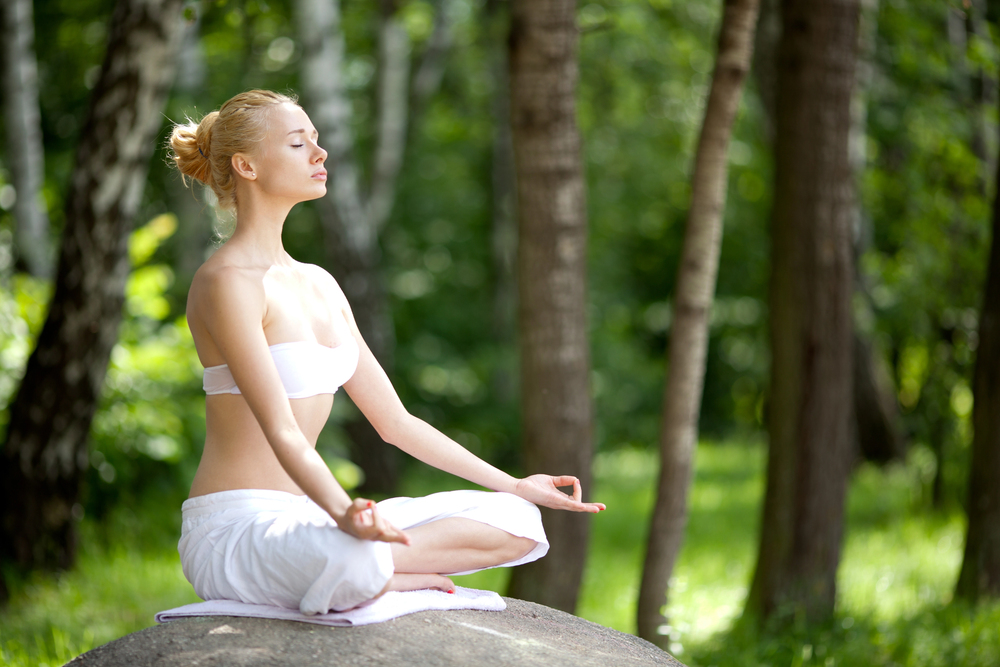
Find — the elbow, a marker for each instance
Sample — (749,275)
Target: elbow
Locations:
(393,427)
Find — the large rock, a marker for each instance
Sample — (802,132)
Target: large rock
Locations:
(526,634)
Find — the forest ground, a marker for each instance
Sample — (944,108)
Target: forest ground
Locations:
(895,581)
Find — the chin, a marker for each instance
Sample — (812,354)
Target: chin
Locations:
(318,193)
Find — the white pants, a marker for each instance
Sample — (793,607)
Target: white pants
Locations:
(273,547)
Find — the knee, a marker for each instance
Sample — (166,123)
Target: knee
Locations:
(513,548)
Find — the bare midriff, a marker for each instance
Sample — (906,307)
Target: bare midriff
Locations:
(238,456)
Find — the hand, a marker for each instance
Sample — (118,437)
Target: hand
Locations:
(542,490)
(362,520)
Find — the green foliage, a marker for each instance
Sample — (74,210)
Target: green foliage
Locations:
(145,438)
(645,66)
(927,191)
(22,312)
(128,569)
(895,579)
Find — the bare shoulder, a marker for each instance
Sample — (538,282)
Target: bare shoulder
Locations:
(221,288)
(327,284)
(214,281)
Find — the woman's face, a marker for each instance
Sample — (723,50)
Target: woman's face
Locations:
(290,163)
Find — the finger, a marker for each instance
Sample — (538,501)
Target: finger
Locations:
(564,480)
(384,530)
(393,534)
(380,525)
(360,516)
(577,490)
(399,536)
(592,508)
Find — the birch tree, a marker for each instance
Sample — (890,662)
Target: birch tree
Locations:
(352,215)
(45,453)
(551,258)
(24,136)
(696,277)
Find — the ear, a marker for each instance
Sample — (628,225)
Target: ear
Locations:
(243,168)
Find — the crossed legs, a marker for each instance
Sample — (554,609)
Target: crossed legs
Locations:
(451,545)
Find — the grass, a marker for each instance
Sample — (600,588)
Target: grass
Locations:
(128,569)
(899,566)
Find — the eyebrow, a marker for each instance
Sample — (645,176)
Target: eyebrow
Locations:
(302,130)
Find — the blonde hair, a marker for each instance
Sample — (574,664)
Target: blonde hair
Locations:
(204,150)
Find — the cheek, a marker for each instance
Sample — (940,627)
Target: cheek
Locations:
(277,174)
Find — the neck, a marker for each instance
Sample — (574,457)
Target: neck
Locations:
(259,221)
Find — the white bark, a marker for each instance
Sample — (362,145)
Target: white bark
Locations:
(351,219)
(24,137)
(393,96)
(427,78)
(330,110)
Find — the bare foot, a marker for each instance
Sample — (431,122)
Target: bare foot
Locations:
(415,582)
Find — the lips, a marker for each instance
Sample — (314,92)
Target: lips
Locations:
(320,175)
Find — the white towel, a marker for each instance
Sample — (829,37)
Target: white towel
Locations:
(391,605)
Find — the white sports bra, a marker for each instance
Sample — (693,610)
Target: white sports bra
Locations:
(307,368)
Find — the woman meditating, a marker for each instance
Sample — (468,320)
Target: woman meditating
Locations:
(266,522)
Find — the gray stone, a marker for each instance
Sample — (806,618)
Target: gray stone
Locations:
(524,635)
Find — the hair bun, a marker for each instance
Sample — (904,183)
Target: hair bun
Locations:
(186,142)
(204,150)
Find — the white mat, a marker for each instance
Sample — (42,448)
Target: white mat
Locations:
(391,605)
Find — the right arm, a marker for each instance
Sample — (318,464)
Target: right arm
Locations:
(230,303)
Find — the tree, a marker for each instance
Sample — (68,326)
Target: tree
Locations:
(876,409)
(696,276)
(810,410)
(503,229)
(24,136)
(45,452)
(352,218)
(980,573)
(555,356)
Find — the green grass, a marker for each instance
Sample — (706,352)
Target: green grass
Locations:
(128,569)
(898,569)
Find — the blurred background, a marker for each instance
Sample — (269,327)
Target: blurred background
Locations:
(926,158)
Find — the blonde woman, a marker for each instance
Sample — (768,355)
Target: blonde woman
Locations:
(266,522)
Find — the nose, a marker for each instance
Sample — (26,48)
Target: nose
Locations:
(320,154)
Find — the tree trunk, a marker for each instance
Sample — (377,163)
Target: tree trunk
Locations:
(194,237)
(980,573)
(810,413)
(503,231)
(351,235)
(25,153)
(552,234)
(45,453)
(878,431)
(696,278)
(876,407)
(351,220)
(765,61)
(427,78)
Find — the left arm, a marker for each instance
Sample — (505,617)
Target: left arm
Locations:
(373,393)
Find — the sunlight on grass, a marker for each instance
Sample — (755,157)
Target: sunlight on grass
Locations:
(713,569)
(114,590)
(898,569)
(899,560)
